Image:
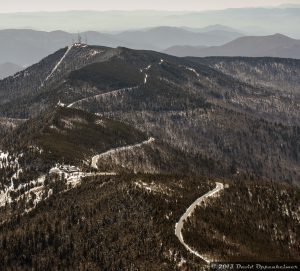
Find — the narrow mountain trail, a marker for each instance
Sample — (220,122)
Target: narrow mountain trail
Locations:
(113,151)
(189,211)
(59,62)
(103,95)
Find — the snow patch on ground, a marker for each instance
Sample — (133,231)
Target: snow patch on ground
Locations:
(70,123)
(193,70)
(3,158)
(100,122)
(8,160)
(5,197)
(95,52)
(182,262)
(145,79)
(154,187)
(53,127)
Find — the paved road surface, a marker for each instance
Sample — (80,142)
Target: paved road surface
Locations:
(113,151)
(189,211)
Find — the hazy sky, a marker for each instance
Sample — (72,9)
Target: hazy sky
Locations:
(42,5)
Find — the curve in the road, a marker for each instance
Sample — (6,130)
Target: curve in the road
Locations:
(189,211)
(112,151)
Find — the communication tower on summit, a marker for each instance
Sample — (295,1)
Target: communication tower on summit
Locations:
(79,39)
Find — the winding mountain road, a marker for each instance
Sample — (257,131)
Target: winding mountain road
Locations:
(113,151)
(189,211)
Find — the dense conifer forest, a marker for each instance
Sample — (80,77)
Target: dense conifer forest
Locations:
(102,151)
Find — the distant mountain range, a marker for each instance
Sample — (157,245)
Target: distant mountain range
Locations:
(215,27)
(184,50)
(164,37)
(26,47)
(255,46)
(251,21)
(7,69)
(289,6)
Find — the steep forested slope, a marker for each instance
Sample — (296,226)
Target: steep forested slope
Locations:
(63,145)
(198,106)
(19,93)
(128,221)
(71,135)
(248,222)
(73,189)
(54,149)
(279,73)
(108,223)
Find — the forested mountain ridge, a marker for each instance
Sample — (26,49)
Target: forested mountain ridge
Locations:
(59,77)
(278,73)
(223,224)
(71,135)
(127,221)
(189,103)
(60,143)
(119,143)
(109,223)
(71,144)
(25,86)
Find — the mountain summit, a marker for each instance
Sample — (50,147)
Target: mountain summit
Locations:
(113,159)
(277,45)
(198,95)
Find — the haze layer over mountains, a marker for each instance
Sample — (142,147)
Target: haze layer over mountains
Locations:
(283,20)
(25,47)
(26,38)
(181,150)
(22,48)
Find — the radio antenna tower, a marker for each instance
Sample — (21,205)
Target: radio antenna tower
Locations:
(79,38)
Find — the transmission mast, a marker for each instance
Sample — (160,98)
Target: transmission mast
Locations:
(79,38)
